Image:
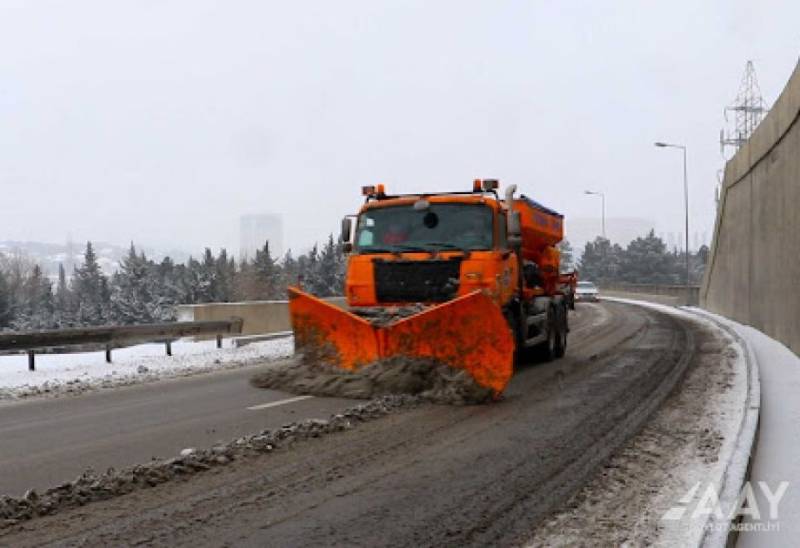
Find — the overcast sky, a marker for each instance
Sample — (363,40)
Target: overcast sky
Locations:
(162,122)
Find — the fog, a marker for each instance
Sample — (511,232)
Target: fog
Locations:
(161,122)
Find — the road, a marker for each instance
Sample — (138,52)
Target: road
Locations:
(433,475)
(46,442)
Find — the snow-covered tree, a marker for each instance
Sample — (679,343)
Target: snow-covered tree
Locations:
(90,288)
(134,295)
(63,301)
(308,270)
(167,278)
(35,303)
(205,278)
(266,275)
(17,268)
(647,261)
(225,274)
(261,278)
(144,291)
(5,302)
(601,261)
(289,272)
(329,278)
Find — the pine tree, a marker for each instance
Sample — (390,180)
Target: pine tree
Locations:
(189,280)
(5,302)
(601,261)
(329,278)
(265,273)
(63,309)
(62,290)
(90,288)
(205,278)
(225,273)
(289,273)
(646,261)
(35,303)
(308,274)
(244,282)
(165,278)
(132,298)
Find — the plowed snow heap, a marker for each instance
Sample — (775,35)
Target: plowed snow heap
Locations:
(462,279)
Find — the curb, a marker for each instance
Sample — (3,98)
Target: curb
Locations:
(718,532)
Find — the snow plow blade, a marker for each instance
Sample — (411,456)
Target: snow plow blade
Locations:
(324,332)
(467,333)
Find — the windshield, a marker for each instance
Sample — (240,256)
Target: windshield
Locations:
(439,226)
(586,285)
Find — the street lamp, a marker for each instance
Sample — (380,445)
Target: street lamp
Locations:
(603,197)
(686,204)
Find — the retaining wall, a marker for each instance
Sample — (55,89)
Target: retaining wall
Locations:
(672,294)
(259,316)
(753,273)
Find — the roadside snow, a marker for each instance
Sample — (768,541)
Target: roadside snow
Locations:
(690,440)
(58,374)
(776,460)
(727,417)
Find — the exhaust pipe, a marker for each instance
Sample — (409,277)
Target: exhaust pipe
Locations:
(510,190)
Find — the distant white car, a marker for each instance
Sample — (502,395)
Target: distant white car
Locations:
(587,291)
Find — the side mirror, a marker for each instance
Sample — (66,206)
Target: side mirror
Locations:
(347,234)
(514,230)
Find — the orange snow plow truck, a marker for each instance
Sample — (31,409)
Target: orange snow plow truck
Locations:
(462,278)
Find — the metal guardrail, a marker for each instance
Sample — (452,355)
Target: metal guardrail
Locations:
(114,336)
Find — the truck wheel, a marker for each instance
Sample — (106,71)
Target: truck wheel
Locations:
(561,338)
(549,348)
(515,325)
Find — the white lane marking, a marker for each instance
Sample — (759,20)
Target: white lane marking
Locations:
(279,402)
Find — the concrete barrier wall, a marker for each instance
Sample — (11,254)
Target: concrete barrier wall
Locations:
(659,299)
(753,274)
(673,294)
(259,317)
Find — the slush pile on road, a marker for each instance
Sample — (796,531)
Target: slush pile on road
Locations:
(425,378)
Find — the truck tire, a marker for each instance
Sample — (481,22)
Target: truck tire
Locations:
(513,317)
(548,350)
(563,329)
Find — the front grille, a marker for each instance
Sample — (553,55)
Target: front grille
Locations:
(416,281)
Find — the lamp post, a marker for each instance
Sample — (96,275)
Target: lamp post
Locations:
(603,197)
(686,205)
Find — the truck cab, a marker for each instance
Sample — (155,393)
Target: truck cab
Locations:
(429,249)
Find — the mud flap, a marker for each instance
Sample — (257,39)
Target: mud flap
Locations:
(467,333)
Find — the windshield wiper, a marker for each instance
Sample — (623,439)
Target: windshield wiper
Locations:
(428,247)
(375,249)
(415,247)
(448,245)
